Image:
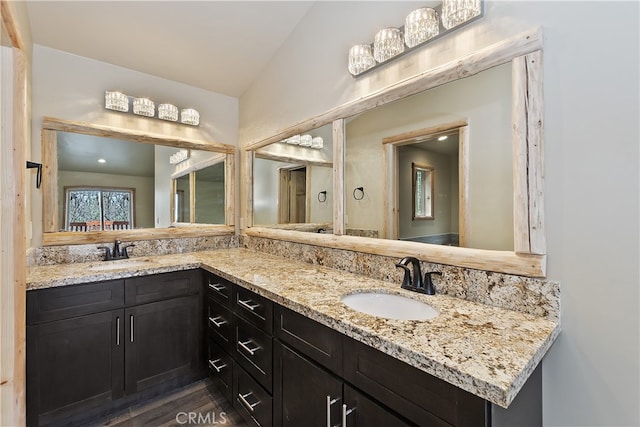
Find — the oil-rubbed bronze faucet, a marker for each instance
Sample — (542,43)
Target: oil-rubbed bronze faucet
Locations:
(117,252)
(413,279)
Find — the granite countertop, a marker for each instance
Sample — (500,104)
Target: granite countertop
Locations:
(484,350)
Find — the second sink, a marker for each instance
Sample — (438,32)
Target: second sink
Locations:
(390,306)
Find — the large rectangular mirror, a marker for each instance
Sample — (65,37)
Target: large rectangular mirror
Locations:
(106,180)
(293,184)
(474,184)
(508,164)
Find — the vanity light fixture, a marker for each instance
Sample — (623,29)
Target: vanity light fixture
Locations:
(144,107)
(421,26)
(118,101)
(306,141)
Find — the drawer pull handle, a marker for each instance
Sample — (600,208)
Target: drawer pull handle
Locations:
(217,287)
(219,368)
(117,331)
(245,346)
(243,399)
(247,304)
(217,321)
(330,402)
(345,413)
(131,323)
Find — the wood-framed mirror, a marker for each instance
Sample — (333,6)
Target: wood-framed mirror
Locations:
(141,162)
(528,254)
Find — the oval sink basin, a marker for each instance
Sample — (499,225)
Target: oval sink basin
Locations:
(115,265)
(390,306)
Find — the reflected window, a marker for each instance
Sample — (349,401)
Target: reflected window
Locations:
(422,191)
(95,209)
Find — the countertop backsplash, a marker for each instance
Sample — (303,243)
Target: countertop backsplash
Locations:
(539,297)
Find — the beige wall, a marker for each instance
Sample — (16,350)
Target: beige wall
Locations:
(591,86)
(72,87)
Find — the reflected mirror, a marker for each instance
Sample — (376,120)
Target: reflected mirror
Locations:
(292,183)
(473,193)
(110,184)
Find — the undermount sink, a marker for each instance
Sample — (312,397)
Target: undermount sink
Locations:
(390,306)
(115,265)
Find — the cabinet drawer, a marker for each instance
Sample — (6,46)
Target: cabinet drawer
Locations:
(320,343)
(218,288)
(156,287)
(220,323)
(418,396)
(254,308)
(220,365)
(251,400)
(253,350)
(46,305)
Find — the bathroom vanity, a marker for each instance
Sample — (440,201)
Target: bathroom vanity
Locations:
(280,344)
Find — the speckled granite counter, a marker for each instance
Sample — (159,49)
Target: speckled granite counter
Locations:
(487,351)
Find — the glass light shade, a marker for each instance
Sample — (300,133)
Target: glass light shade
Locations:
(360,59)
(305,140)
(295,140)
(144,107)
(116,101)
(168,112)
(317,142)
(420,25)
(189,116)
(456,12)
(387,43)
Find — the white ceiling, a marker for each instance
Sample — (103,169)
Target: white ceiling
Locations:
(220,46)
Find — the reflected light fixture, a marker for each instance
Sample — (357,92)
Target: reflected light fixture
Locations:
(179,156)
(442,138)
(421,26)
(306,141)
(118,101)
(102,161)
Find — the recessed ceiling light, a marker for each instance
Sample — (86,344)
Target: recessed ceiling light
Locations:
(102,161)
(442,138)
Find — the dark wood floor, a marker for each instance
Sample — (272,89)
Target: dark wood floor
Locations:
(198,404)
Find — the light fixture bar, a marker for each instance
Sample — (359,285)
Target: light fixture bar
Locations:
(118,101)
(441,33)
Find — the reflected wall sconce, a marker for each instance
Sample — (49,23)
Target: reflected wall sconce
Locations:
(322,196)
(421,26)
(118,101)
(358,193)
(306,140)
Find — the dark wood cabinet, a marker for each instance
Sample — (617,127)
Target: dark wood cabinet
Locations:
(93,348)
(162,342)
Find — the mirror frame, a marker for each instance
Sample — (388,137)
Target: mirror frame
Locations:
(528,258)
(52,237)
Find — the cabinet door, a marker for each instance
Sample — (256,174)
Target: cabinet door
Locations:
(74,365)
(162,343)
(304,393)
(364,412)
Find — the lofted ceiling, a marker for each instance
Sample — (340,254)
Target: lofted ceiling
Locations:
(220,46)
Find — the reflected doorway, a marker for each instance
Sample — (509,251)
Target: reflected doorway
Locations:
(292,195)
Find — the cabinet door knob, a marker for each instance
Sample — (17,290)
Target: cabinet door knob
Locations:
(243,399)
(330,402)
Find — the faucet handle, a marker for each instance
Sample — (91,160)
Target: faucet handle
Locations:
(108,254)
(124,252)
(406,281)
(428,284)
